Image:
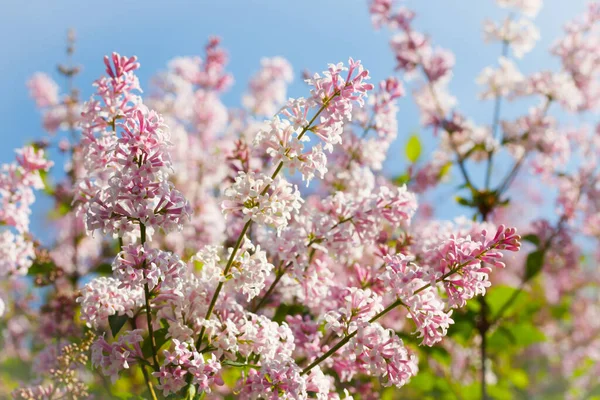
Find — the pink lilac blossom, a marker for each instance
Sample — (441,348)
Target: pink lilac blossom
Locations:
(182,362)
(138,189)
(137,265)
(356,305)
(382,354)
(556,86)
(277,380)
(341,255)
(280,140)
(112,358)
(335,94)
(579,51)
(43,90)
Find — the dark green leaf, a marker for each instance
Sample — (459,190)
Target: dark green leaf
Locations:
(534,264)
(284,310)
(160,338)
(41,268)
(104,269)
(116,322)
(464,202)
(531,238)
(463,328)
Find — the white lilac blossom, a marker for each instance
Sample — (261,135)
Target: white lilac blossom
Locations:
(103,297)
(17,183)
(521,34)
(262,199)
(499,82)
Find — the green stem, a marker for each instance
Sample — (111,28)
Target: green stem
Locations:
(495,122)
(147,300)
(249,223)
(389,308)
(148,383)
(508,180)
(213,301)
(247,226)
(143,368)
(280,272)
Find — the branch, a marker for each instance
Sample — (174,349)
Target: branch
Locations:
(389,308)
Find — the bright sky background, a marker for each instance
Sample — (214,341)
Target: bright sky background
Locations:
(309,33)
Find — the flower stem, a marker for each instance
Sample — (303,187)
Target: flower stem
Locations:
(386,310)
(495,120)
(143,368)
(148,383)
(280,272)
(249,223)
(147,300)
(213,301)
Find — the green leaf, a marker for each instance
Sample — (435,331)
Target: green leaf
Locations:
(519,378)
(60,210)
(445,170)
(413,149)
(534,264)
(402,179)
(463,328)
(499,295)
(15,368)
(526,334)
(116,322)
(522,334)
(48,188)
(562,310)
(41,268)
(390,393)
(231,376)
(463,202)
(160,339)
(104,269)
(500,393)
(501,339)
(531,238)
(462,331)
(239,364)
(192,391)
(284,310)
(123,396)
(583,368)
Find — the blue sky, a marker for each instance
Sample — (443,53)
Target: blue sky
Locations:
(309,33)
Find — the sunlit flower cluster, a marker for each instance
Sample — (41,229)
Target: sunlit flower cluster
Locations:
(265,252)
